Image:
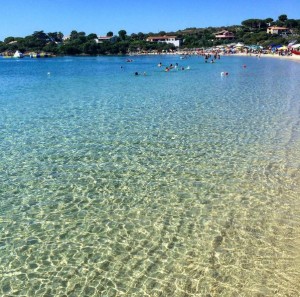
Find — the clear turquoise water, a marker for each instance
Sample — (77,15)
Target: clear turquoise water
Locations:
(183,183)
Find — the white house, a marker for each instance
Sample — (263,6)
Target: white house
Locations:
(166,39)
(278,30)
(224,35)
(101,39)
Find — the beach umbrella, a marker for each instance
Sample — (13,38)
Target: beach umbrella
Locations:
(282,48)
(254,47)
(296,45)
(230,45)
(275,47)
(292,43)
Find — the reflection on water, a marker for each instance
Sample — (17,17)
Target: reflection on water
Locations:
(173,184)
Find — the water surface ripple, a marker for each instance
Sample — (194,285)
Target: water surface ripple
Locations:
(180,183)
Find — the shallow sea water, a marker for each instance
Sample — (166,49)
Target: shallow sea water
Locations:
(180,183)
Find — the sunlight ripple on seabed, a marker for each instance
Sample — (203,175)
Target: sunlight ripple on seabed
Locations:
(173,184)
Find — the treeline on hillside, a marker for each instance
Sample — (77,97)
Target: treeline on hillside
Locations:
(251,31)
(81,43)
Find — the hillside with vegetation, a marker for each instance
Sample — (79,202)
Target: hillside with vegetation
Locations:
(251,31)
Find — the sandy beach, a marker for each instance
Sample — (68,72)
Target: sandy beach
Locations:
(292,57)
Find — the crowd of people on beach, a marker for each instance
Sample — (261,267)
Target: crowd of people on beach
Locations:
(274,50)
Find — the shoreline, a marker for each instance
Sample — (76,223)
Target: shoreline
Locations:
(291,58)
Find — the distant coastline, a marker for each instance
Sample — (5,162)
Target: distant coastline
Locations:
(258,34)
(185,54)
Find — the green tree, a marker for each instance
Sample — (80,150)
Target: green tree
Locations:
(9,39)
(133,47)
(74,35)
(3,47)
(252,23)
(55,36)
(123,47)
(90,48)
(110,34)
(269,21)
(60,36)
(77,38)
(36,41)
(122,34)
(92,36)
(283,18)
(51,48)
(114,49)
(69,49)
(141,36)
(134,36)
(40,35)
(291,23)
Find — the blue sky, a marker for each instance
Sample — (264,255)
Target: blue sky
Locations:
(20,18)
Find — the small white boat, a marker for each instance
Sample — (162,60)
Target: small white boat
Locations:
(18,54)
